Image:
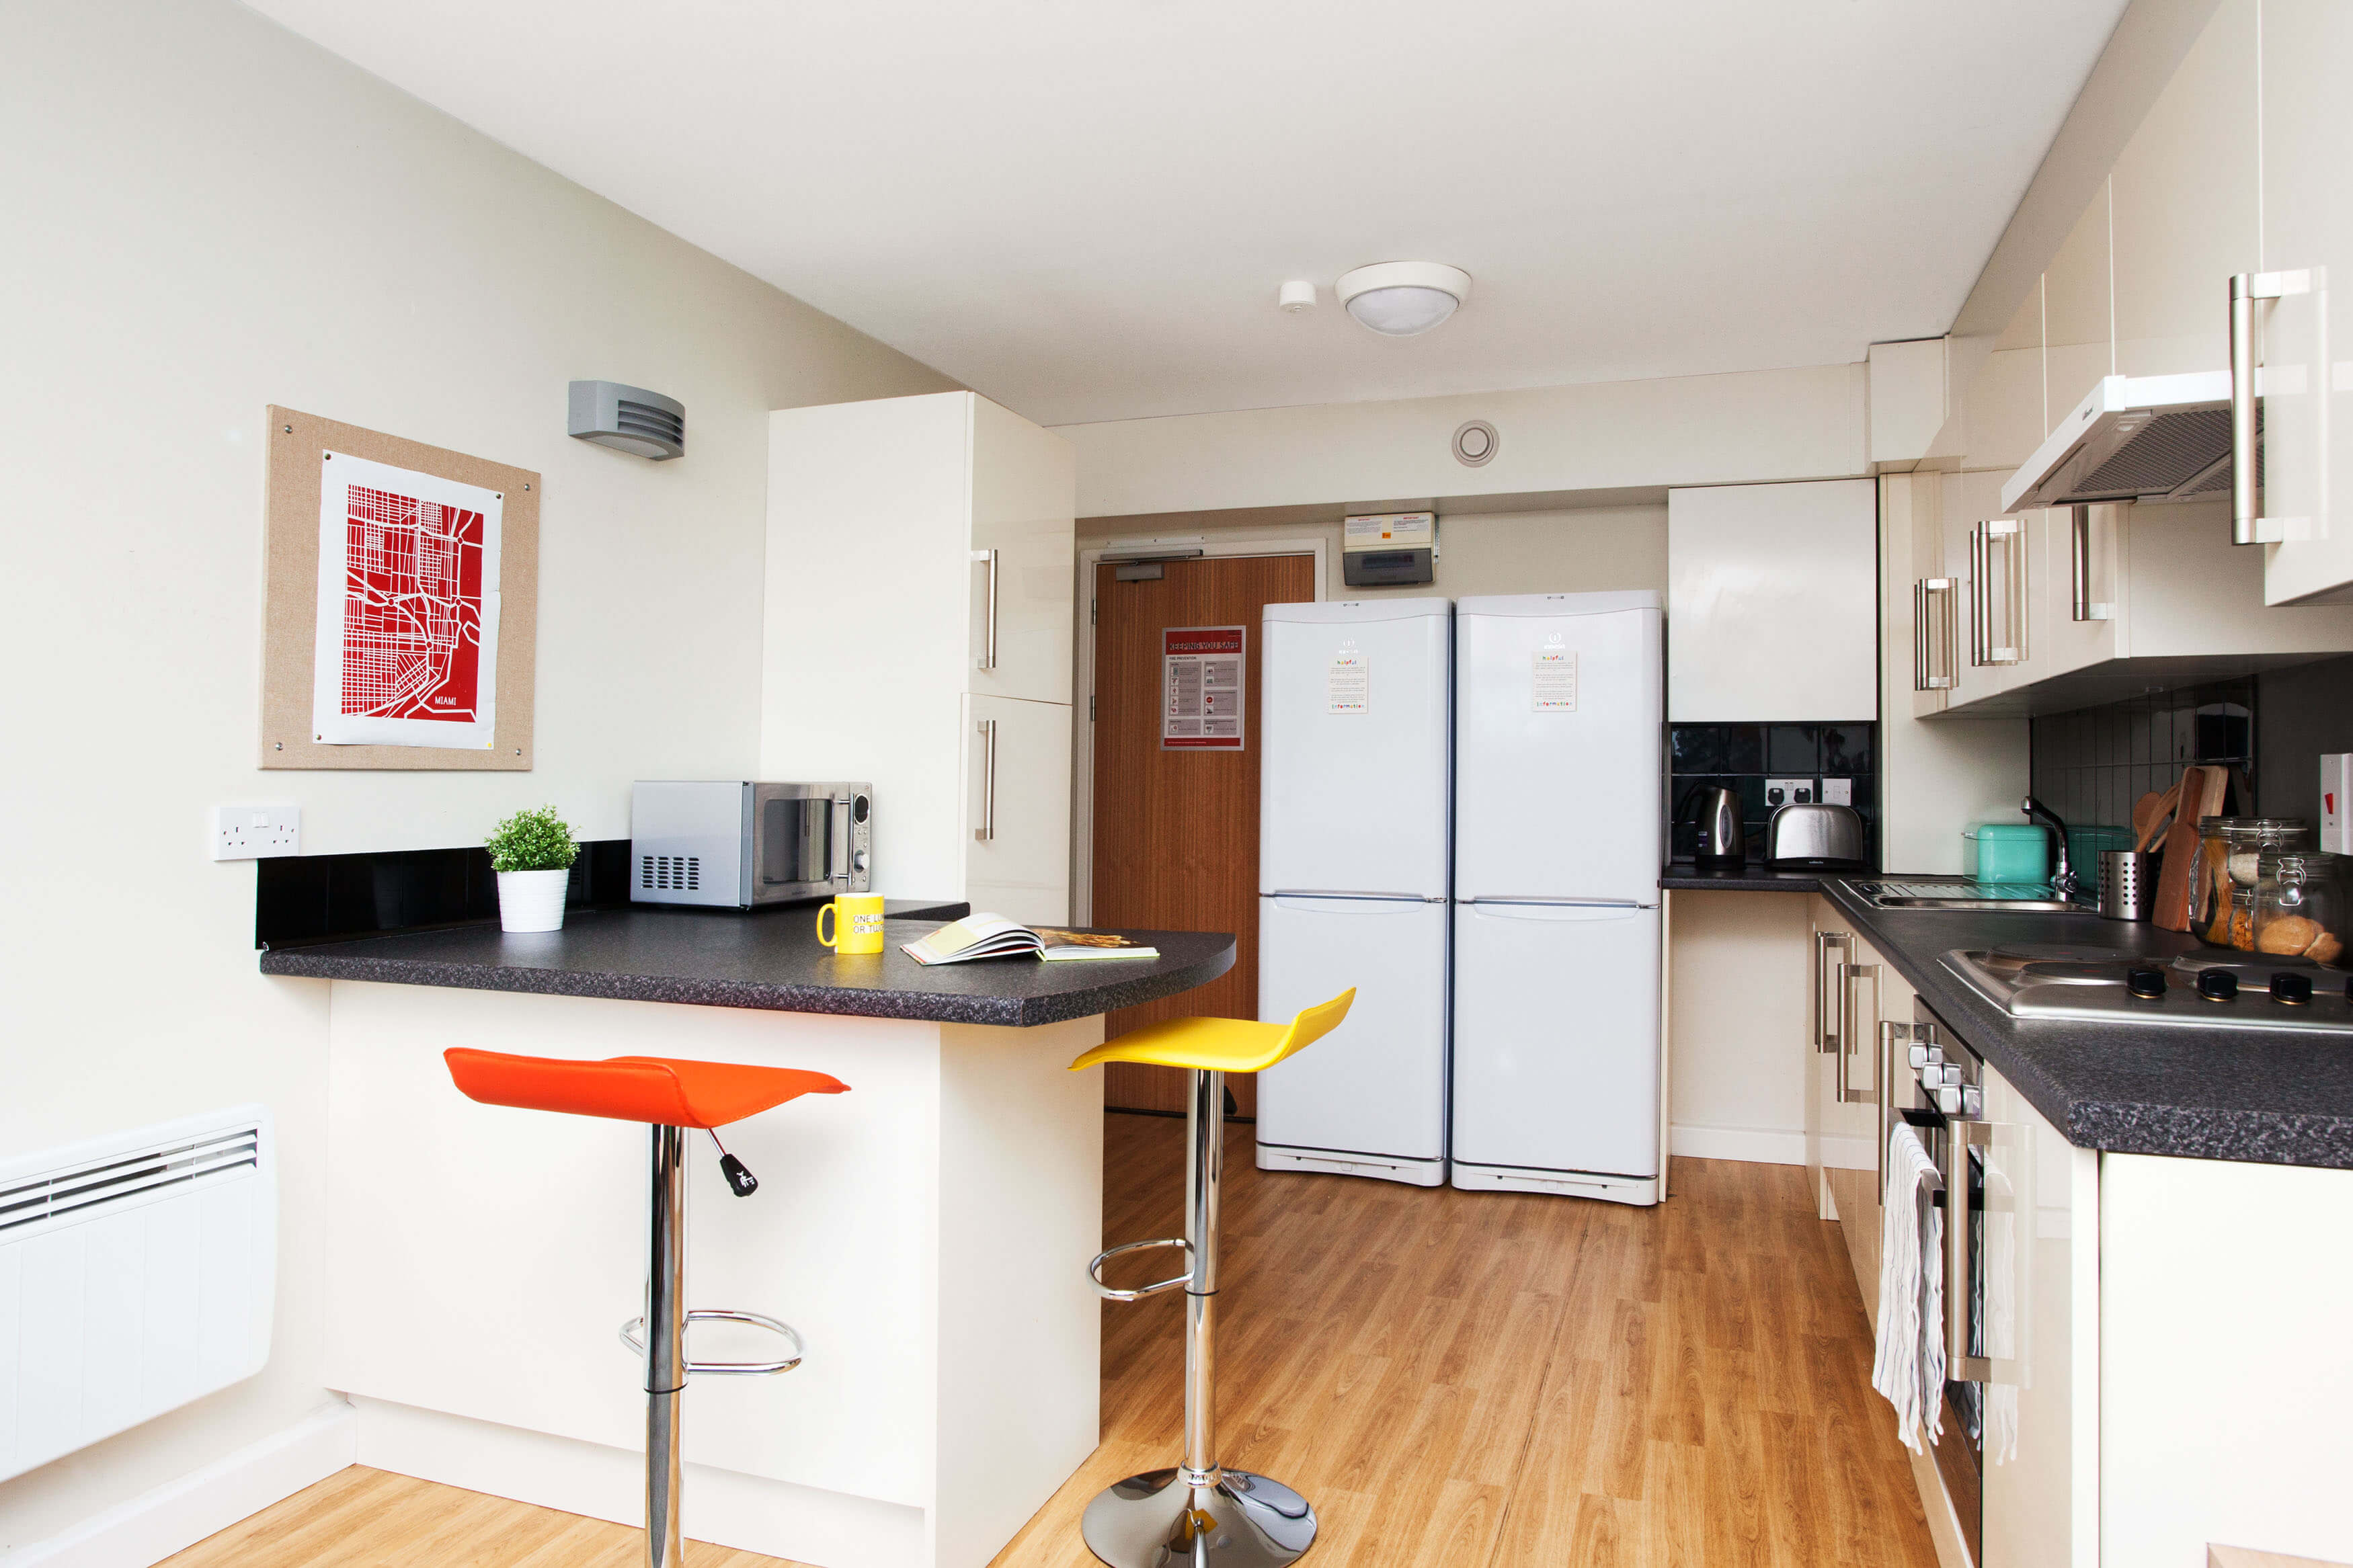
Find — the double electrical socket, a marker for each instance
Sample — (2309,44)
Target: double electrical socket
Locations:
(256,832)
(1789,791)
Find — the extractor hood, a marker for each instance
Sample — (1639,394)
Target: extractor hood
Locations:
(2136,438)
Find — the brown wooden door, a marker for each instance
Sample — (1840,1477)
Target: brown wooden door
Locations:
(1175,832)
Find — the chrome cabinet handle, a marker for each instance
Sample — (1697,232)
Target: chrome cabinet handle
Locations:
(1883,1092)
(1826,1037)
(2011,534)
(2248,525)
(1959,1282)
(1849,974)
(1934,635)
(987,828)
(988,649)
(2079,559)
(1980,600)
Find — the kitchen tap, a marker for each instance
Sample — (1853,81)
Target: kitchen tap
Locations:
(2062,880)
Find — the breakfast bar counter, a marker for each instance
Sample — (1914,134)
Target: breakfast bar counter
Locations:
(926,1232)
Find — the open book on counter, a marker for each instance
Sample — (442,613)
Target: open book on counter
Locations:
(993,936)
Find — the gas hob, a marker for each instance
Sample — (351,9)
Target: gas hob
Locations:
(2211,989)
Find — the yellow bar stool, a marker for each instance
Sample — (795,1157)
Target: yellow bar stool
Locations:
(1200,1513)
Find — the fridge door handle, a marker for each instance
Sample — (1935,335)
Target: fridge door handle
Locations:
(1561,903)
(1353,896)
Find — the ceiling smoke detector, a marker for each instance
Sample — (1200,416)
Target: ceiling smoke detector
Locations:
(1296,296)
(1401,299)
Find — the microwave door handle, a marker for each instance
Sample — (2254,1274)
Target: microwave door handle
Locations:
(839,841)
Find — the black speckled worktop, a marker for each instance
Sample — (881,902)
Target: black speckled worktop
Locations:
(1749,879)
(2278,1097)
(771,960)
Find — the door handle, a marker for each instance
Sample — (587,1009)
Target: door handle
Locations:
(1980,600)
(1935,645)
(2247,525)
(2011,533)
(987,831)
(1848,974)
(1884,1093)
(989,646)
(1961,1281)
(2081,606)
(1825,1030)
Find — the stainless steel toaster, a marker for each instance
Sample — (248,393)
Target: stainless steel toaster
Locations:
(1815,837)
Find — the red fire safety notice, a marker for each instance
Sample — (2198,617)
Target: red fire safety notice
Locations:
(1201,687)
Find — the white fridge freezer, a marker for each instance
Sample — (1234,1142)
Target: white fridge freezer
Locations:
(1369,1099)
(1559,708)
(1556,1070)
(1353,821)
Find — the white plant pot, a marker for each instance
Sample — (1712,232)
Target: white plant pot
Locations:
(531,900)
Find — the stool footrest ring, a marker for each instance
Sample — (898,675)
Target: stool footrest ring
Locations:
(1112,1293)
(633,1336)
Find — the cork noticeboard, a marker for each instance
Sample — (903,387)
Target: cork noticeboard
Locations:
(297,446)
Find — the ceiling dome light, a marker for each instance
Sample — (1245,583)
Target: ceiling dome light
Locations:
(1399,299)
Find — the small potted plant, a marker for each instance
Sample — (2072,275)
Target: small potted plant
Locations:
(533,853)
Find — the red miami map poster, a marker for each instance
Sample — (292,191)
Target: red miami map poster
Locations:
(407,649)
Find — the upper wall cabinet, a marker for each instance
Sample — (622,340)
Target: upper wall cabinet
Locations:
(2307,230)
(1772,608)
(918,631)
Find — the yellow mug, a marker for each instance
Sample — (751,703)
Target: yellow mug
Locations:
(857,923)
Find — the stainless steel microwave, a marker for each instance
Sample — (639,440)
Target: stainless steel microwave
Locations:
(734,844)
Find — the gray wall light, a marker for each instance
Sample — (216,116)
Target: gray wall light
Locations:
(628,419)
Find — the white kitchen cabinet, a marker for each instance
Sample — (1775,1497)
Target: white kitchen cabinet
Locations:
(881,519)
(2225,1368)
(1018,808)
(1772,609)
(1855,993)
(2038,1261)
(2307,227)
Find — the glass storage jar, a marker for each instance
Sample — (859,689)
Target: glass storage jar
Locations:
(2228,848)
(2301,903)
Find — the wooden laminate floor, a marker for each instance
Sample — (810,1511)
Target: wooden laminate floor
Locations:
(1452,1378)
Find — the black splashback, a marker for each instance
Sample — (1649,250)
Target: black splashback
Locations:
(322,898)
(1742,757)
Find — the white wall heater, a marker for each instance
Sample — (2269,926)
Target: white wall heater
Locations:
(137,1272)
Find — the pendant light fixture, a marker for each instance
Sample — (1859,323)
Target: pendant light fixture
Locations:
(1401,299)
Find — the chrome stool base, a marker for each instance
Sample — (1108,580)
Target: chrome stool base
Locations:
(1155,1521)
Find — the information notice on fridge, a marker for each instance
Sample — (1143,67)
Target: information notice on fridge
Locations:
(1201,687)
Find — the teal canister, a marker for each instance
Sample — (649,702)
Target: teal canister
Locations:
(2011,852)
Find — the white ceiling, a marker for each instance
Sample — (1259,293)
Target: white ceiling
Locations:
(1083,207)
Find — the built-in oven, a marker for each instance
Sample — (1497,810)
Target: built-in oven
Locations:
(743,844)
(1942,1097)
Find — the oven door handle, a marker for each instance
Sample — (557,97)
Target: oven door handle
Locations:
(1960,1282)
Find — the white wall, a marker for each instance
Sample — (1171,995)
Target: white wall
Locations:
(205,214)
(1749,428)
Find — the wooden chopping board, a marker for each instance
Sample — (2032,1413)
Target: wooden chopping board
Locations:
(2202,793)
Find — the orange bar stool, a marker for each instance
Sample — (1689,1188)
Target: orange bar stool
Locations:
(1200,1513)
(671,1098)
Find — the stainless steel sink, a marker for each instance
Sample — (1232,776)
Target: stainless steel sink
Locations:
(1961,893)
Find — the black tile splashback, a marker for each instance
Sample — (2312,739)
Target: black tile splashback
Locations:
(1744,756)
(322,898)
(2090,765)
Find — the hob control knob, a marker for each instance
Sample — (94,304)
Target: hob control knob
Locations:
(1972,1101)
(1948,1101)
(2146,983)
(2217,985)
(2295,989)
(1922,1056)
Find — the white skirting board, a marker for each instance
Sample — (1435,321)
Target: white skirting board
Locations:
(805,1524)
(1757,1145)
(176,1515)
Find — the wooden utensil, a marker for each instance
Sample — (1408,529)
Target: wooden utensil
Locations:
(2172,908)
(2146,827)
(2144,808)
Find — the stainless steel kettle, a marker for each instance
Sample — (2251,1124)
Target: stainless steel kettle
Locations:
(1722,841)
